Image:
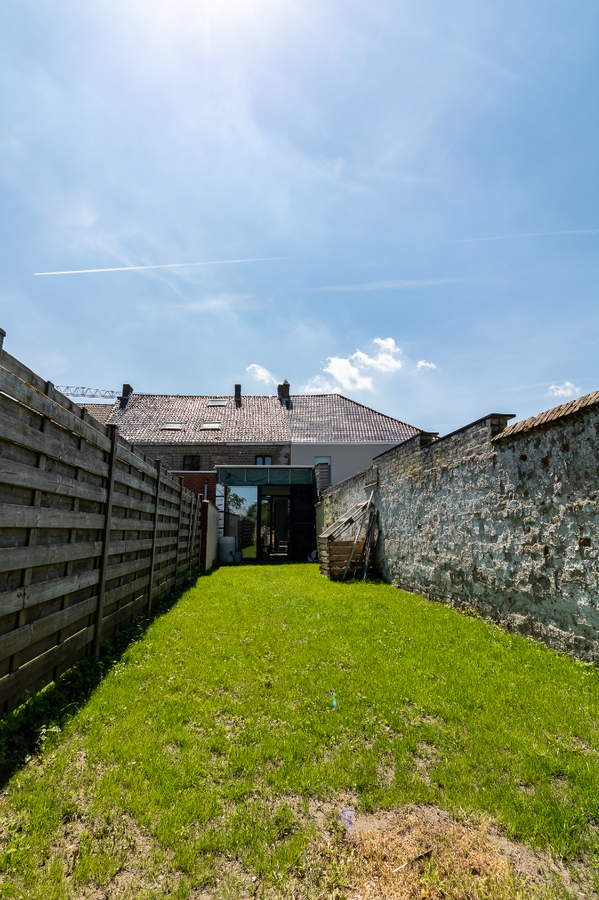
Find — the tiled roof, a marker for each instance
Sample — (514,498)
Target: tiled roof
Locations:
(321,418)
(257,420)
(318,418)
(558,412)
(100,411)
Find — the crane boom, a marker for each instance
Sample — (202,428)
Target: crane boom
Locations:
(71,391)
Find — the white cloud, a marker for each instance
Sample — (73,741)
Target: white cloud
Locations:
(320,385)
(348,372)
(423,364)
(347,375)
(567,389)
(261,374)
(387,344)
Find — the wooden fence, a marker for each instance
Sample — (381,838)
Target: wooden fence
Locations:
(91,531)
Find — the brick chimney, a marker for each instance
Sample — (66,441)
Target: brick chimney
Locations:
(127,391)
(283,391)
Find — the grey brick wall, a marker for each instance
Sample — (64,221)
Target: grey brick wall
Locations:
(509,527)
(212,455)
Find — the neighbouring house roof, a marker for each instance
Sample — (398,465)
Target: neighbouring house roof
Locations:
(100,411)
(558,412)
(320,418)
(331,418)
(142,418)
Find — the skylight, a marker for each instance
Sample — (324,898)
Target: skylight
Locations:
(172,426)
(217,403)
(210,426)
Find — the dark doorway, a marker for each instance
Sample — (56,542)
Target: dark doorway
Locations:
(275,519)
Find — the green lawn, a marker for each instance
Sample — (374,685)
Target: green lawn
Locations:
(201,757)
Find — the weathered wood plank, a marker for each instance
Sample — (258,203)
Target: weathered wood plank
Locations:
(34,594)
(18,433)
(118,523)
(13,365)
(124,590)
(21,475)
(126,568)
(131,459)
(131,481)
(17,640)
(125,502)
(16,516)
(125,612)
(25,557)
(17,682)
(28,395)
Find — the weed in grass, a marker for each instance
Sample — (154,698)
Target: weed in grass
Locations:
(209,752)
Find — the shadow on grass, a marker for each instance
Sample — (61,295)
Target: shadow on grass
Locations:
(23,731)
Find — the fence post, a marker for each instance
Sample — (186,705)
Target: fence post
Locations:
(193,555)
(179,530)
(158,465)
(113,431)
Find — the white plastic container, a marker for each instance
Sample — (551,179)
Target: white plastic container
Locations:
(226,549)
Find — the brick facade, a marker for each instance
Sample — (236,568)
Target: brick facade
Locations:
(203,483)
(212,455)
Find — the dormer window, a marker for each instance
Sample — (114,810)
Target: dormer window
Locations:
(172,426)
(210,426)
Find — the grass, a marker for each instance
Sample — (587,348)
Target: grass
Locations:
(210,748)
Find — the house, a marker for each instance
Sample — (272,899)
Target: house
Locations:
(193,435)
(269,453)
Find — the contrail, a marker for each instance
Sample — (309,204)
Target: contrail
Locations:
(218,262)
(506,237)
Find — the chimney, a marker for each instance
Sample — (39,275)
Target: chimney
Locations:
(237,395)
(283,391)
(127,391)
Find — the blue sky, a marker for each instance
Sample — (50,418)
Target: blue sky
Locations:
(419,181)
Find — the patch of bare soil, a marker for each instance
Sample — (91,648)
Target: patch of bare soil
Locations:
(421,853)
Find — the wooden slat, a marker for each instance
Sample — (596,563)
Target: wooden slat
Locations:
(13,365)
(25,557)
(131,481)
(131,546)
(21,638)
(125,612)
(16,516)
(33,398)
(126,502)
(118,523)
(124,590)
(44,665)
(20,475)
(18,433)
(131,459)
(131,565)
(34,594)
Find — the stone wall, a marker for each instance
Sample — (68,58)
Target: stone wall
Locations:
(506,523)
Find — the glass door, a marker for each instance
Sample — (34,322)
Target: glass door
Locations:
(274,526)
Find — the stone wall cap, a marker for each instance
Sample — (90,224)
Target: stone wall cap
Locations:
(550,415)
